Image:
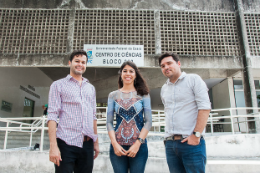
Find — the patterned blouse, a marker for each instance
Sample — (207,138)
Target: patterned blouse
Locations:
(133,112)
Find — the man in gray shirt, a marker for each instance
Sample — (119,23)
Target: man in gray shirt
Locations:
(187,107)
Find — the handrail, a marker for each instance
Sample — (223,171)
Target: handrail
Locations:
(238,108)
(233,115)
(9,128)
(31,128)
(14,122)
(157,115)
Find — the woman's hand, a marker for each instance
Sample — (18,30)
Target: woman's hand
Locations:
(134,149)
(118,149)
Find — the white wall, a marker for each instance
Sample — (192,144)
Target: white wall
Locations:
(156,102)
(12,77)
(220,94)
(221,99)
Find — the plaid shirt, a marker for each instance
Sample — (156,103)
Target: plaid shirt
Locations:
(75,106)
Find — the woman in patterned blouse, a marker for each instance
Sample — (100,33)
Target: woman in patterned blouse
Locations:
(132,105)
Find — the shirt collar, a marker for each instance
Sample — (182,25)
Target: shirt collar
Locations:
(183,75)
(69,77)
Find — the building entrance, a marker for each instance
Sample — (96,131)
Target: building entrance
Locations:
(28,110)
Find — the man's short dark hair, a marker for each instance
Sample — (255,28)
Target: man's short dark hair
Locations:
(78,52)
(174,56)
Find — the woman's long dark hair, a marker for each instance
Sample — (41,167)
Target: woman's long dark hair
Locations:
(139,84)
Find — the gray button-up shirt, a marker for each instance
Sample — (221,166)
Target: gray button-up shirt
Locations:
(182,100)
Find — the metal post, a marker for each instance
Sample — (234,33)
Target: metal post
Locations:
(30,144)
(153,125)
(6,135)
(42,133)
(159,121)
(211,123)
(247,129)
(106,111)
(231,119)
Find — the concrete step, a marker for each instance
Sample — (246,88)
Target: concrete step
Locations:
(235,153)
(35,161)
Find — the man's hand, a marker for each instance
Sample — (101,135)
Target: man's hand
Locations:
(96,149)
(54,155)
(133,149)
(192,140)
(118,149)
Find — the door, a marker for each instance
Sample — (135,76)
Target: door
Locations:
(28,109)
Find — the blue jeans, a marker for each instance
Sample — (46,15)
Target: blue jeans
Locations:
(123,164)
(75,159)
(185,158)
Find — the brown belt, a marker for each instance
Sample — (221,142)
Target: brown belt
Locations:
(86,138)
(174,138)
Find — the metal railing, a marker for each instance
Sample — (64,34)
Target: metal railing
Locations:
(38,123)
(217,117)
(233,116)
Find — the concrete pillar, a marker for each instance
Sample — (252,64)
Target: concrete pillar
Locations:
(71,27)
(231,92)
(248,79)
(157,29)
(233,104)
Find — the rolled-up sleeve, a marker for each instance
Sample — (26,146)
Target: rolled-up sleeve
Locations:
(54,104)
(201,94)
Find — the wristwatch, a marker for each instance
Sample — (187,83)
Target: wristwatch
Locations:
(141,140)
(197,134)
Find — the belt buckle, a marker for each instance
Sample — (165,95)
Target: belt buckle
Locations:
(86,138)
(174,138)
(177,137)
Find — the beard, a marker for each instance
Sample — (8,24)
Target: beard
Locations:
(169,74)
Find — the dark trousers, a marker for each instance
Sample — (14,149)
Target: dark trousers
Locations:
(79,160)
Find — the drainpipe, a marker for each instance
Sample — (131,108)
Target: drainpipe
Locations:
(248,79)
